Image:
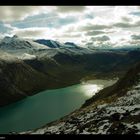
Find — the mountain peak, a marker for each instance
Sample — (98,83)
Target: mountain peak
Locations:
(71,44)
(15,36)
(8,39)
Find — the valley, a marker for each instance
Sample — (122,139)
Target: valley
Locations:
(18,117)
(31,73)
(113,110)
(33,68)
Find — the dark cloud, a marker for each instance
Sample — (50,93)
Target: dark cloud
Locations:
(93,27)
(94,33)
(13,13)
(135,37)
(100,39)
(134,42)
(126,25)
(66,9)
(126,19)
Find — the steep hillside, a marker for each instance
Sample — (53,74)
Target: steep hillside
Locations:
(116,112)
(18,80)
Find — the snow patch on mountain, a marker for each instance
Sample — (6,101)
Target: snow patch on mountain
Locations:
(7,57)
(27,56)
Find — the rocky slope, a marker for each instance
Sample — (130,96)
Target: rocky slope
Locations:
(116,112)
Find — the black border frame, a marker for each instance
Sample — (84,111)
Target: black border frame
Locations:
(67,3)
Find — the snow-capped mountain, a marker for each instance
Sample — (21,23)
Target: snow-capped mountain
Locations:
(19,47)
(28,49)
(71,44)
(56,44)
(49,43)
(16,43)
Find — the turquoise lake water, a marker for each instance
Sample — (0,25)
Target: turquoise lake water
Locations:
(35,111)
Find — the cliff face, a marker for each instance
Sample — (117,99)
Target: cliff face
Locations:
(114,110)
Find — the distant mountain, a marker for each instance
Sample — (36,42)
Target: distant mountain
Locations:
(71,44)
(55,44)
(49,43)
(114,110)
(16,43)
(19,47)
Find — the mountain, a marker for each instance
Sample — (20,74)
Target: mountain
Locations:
(59,67)
(55,44)
(19,47)
(73,64)
(27,67)
(71,44)
(114,110)
(49,43)
(19,80)
(16,43)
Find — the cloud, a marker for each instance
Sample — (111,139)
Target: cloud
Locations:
(16,13)
(45,20)
(45,33)
(135,13)
(68,35)
(67,9)
(126,25)
(100,39)
(33,32)
(94,33)
(13,13)
(93,27)
(77,23)
(135,37)
(126,19)
(4,29)
(123,25)
(134,42)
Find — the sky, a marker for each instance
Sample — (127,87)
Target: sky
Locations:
(85,25)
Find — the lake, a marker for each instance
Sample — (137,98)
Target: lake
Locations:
(49,105)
